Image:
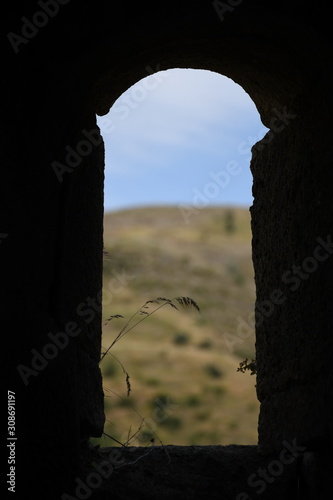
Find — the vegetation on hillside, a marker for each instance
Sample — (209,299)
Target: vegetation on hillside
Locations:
(184,384)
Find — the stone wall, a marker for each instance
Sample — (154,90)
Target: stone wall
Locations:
(63,65)
(292,252)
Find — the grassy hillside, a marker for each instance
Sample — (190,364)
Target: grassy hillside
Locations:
(185,388)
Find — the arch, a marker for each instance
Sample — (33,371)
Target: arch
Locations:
(206,97)
(280,86)
(78,63)
(209,190)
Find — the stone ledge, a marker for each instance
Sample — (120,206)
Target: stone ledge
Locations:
(196,473)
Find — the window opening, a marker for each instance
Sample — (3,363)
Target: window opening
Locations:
(177,224)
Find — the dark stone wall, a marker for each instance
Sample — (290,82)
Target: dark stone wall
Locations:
(51,263)
(292,250)
(79,59)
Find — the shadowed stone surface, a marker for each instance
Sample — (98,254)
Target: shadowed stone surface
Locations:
(76,65)
(197,473)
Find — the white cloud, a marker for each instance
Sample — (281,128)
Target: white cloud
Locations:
(165,116)
(204,94)
(177,108)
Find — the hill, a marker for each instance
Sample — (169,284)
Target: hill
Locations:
(183,373)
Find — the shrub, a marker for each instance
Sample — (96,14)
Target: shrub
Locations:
(213,371)
(205,344)
(192,400)
(160,400)
(153,382)
(233,425)
(181,338)
(203,415)
(110,368)
(172,423)
(146,435)
(125,402)
(229,222)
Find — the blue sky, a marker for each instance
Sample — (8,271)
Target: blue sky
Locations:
(180,137)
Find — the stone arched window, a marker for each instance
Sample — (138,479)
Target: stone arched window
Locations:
(63,64)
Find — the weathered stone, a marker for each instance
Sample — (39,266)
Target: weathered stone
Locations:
(74,60)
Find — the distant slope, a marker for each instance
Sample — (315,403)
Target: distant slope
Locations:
(180,356)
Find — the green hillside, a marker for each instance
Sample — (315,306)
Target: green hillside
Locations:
(185,388)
